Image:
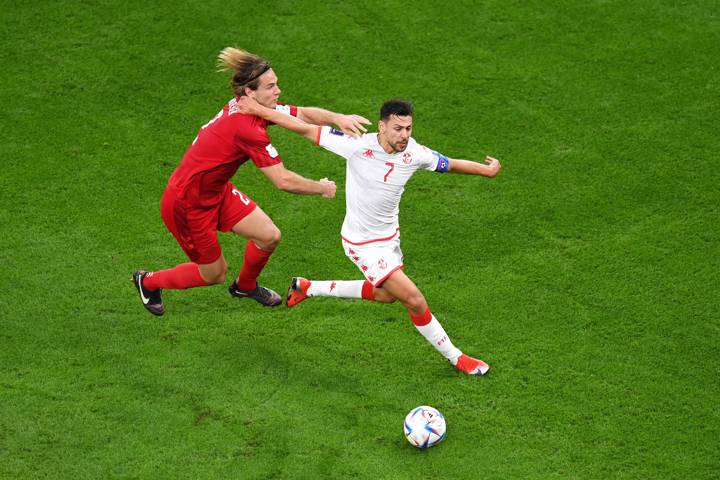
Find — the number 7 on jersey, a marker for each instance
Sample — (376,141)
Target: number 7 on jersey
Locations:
(392,167)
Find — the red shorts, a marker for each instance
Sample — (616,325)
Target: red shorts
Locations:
(196,229)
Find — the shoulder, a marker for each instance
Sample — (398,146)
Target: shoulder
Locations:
(417,150)
(250,128)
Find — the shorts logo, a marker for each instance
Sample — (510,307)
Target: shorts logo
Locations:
(407,158)
(364,268)
(336,132)
(371,278)
(382,264)
(271,150)
(368,154)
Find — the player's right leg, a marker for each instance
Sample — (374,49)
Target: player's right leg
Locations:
(301,289)
(401,287)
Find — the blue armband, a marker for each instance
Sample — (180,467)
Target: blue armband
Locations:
(443,162)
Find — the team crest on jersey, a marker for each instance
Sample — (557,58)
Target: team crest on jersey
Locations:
(382,264)
(407,158)
(337,132)
(368,154)
(271,150)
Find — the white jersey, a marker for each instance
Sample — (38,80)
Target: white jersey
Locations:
(375,182)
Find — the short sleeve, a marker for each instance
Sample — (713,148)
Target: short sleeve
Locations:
(433,161)
(337,142)
(260,150)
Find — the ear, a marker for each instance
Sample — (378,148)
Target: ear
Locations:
(381,126)
(249,92)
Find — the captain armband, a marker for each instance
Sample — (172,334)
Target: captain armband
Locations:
(443,164)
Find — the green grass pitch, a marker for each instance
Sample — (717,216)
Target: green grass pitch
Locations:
(586,273)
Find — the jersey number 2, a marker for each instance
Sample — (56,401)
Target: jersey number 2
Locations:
(240,195)
(392,167)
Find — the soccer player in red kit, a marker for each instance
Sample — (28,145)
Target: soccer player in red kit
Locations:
(199,199)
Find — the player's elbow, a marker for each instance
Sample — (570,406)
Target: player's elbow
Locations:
(284,183)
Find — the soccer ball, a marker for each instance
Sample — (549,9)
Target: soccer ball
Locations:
(424,427)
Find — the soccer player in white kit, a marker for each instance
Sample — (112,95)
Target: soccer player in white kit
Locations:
(378,167)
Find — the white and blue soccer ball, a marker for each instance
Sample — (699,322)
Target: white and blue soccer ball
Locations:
(424,427)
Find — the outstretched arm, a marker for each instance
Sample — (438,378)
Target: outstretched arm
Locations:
(249,106)
(289,181)
(490,167)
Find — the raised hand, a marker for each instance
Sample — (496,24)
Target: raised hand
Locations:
(249,106)
(352,124)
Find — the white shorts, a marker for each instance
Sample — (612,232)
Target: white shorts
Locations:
(376,260)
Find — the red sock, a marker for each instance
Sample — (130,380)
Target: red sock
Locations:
(367,291)
(255,260)
(422,319)
(185,275)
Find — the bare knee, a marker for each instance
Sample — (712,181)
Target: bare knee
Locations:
(269,240)
(415,303)
(216,276)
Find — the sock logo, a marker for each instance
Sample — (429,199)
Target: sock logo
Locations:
(332,286)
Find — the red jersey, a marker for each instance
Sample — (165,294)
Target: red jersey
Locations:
(222,145)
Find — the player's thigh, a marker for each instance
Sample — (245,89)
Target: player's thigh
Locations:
(258,227)
(194,230)
(400,286)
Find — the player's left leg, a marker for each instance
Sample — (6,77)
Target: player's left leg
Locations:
(263,236)
(243,217)
(400,286)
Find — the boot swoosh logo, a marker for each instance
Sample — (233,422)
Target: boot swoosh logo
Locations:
(144,299)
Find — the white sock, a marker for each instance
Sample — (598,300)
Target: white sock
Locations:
(435,334)
(336,288)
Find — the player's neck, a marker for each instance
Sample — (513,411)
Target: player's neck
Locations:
(385,145)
